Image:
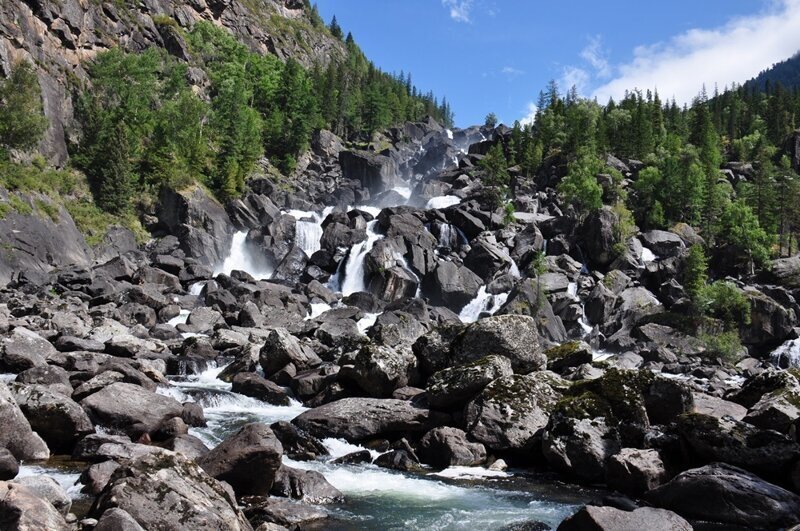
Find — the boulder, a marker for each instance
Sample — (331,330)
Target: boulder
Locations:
(593,518)
(49,489)
(763,452)
(512,336)
(717,407)
(168,491)
(446,446)
(130,408)
(247,460)
(379,370)
(579,447)
(770,323)
(255,386)
(282,348)
(433,349)
(358,419)
(17,436)
(270,512)
(727,495)
(454,386)
(308,486)
(786,271)
(57,419)
(377,173)
(635,471)
(23,350)
(9,467)
(598,234)
(662,243)
(510,411)
(117,520)
(23,509)
(297,444)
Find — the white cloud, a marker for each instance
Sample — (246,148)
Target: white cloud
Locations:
(572,76)
(459,9)
(511,72)
(530,114)
(595,54)
(734,52)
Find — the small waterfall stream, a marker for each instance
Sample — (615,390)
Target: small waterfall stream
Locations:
(354,268)
(240,258)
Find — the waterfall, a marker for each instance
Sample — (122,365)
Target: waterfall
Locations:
(354,269)
(241,259)
(787,355)
(647,255)
(308,229)
(483,302)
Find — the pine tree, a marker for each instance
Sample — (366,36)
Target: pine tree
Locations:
(336,29)
(22,121)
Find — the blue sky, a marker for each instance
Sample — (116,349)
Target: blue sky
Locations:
(496,55)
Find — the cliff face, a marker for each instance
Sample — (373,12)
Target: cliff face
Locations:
(59,36)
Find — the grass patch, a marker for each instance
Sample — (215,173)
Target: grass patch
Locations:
(48,209)
(35,178)
(726,345)
(19,206)
(94,223)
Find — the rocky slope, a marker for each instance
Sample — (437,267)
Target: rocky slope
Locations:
(366,319)
(60,36)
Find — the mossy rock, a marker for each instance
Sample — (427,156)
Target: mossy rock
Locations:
(585,406)
(623,390)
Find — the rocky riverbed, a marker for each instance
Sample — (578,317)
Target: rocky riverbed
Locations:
(372,347)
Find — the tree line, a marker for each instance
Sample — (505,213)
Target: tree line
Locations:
(145,124)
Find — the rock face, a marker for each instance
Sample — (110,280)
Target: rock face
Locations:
(509,412)
(169,491)
(34,242)
(512,336)
(728,495)
(130,408)
(357,419)
(592,518)
(23,509)
(376,173)
(247,460)
(579,446)
(17,436)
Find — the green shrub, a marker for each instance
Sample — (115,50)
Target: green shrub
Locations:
(19,205)
(726,345)
(725,301)
(48,209)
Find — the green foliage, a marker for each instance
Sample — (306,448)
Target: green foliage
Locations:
(34,178)
(491,120)
(48,209)
(495,174)
(722,300)
(94,222)
(740,228)
(22,121)
(580,187)
(624,229)
(695,273)
(726,345)
(19,206)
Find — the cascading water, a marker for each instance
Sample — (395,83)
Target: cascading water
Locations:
(647,255)
(483,303)
(354,268)
(787,355)
(308,229)
(241,259)
(442,201)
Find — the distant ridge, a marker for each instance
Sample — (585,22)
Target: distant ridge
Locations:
(787,73)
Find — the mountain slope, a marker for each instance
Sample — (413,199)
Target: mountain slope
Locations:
(787,73)
(60,35)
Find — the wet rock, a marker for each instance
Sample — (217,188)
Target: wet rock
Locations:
(457,385)
(276,511)
(297,444)
(445,447)
(379,370)
(247,460)
(130,408)
(635,471)
(357,419)
(593,518)
(397,460)
(168,491)
(17,436)
(308,486)
(728,495)
(512,336)
(510,411)
(255,386)
(22,509)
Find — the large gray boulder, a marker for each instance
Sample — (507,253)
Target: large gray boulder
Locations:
(23,509)
(282,348)
(59,420)
(169,491)
(377,173)
(635,471)
(446,446)
(17,436)
(379,370)
(130,408)
(512,336)
(579,447)
(454,386)
(358,419)
(598,236)
(510,411)
(308,486)
(247,460)
(593,518)
(727,495)
(23,350)
(451,286)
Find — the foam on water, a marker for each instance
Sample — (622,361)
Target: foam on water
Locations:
(483,302)
(180,318)
(196,288)
(787,355)
(317,309)
(647,255)
(442,201)
(366,322)
(354,268)
(7,377)
(470,472)
(404,191)
(241,259)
